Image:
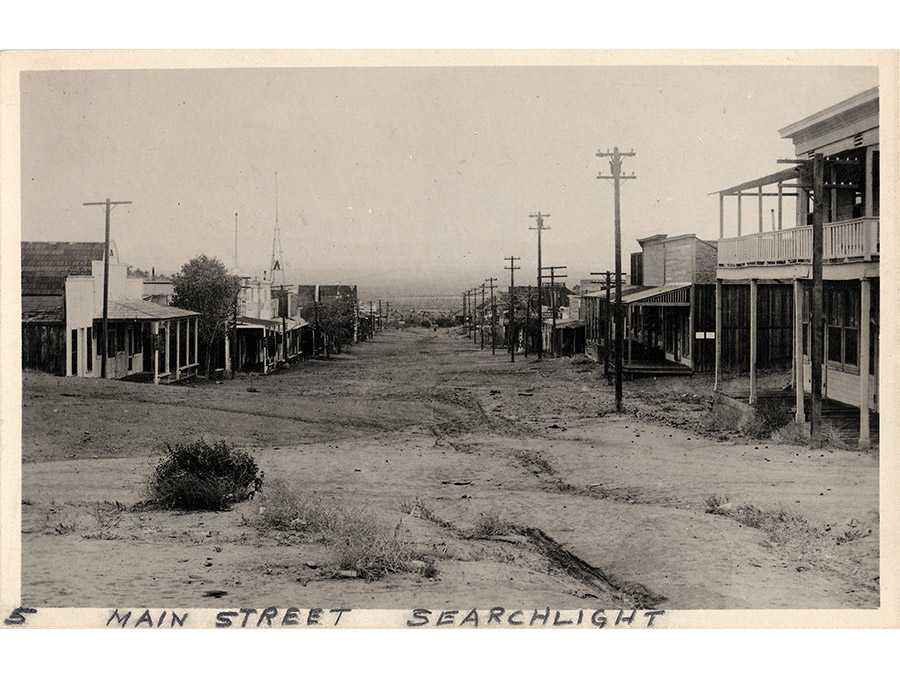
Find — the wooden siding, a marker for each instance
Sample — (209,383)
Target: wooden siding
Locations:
(44,348)
(774,340)
(704,314)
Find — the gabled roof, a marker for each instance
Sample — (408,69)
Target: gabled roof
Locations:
(45,265)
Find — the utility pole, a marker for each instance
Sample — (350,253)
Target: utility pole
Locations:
(527,317)
(607,326)
(108,205)
(235,241)
(512,306)
(316,332)
(553,347)
(464,316)
(474,292)
(482,316)
(615,166)
(372,316)
(540,227)
(491,281)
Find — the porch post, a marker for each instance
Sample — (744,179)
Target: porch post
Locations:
(227,348)
(865,311)
(718,357)
(177,350)
(759,203)
(739,196)
(799,414)
(780,208)
(629,330)
(753,337)
(197,341)
(155,328)
(869,196)
(721,216)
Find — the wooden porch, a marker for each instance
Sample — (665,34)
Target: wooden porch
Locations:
(844,418)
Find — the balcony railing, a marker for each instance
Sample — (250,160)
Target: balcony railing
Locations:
(855,239)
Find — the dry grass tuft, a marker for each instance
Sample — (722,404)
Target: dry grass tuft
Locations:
(489,524)
(361,540)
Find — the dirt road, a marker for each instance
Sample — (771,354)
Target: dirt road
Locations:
(434,434)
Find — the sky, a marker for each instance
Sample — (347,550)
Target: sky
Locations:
(418,178)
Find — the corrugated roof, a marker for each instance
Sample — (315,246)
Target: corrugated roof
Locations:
(45,265)
(135,309)
(626,289)
(653,292)
(43,309)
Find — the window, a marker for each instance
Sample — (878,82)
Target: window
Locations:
(74,352)
(842,323)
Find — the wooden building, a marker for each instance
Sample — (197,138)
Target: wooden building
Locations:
(764,277)
(62,312)
(268,330)
(669,315)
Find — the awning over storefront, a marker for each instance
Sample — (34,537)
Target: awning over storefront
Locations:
(626,289)
(274,324)
(136,309)
(673,294)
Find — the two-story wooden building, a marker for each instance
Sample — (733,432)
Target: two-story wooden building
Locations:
(668,308)
(764,277)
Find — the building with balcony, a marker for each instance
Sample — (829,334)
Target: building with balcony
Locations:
(764,271)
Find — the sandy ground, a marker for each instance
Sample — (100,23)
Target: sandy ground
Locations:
(607,510)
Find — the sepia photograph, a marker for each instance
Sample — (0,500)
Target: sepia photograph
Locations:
(497,339)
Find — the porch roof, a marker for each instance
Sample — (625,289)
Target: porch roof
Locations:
(246,322)
(138,309)
(626,289)
(665,295)
(768,180)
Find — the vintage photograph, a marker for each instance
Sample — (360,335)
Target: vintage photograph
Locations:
(508,342)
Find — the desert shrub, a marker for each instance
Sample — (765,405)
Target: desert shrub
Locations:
(716,504)
(489,524)
(198,476)
(582,359)
(769,415)
(372,548)
(361,541)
